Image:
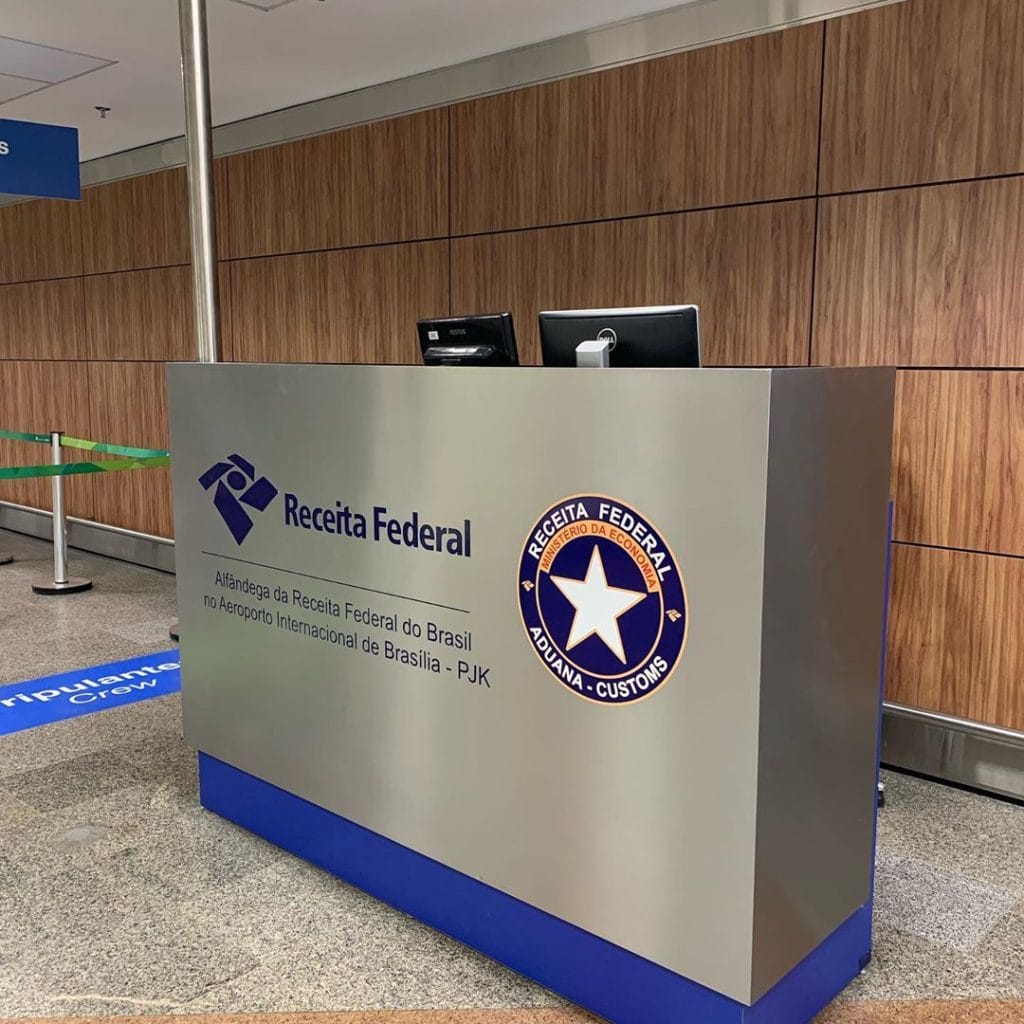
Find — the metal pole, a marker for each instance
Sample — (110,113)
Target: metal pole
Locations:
(195,75)
(61,583)
(60,526)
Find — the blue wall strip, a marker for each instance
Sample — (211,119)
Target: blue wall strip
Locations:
(605,978)
(86,690)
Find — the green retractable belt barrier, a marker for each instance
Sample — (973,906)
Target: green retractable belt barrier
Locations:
(17,435)
(73,468)
(128,457)
(113,449)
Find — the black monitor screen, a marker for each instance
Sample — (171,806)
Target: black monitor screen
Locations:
(485,340)
(644,336)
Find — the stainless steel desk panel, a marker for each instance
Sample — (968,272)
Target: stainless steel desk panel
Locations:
(669,825)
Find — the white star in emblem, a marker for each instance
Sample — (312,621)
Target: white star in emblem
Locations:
(597,605)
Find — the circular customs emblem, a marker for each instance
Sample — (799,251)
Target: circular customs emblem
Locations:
(602,599)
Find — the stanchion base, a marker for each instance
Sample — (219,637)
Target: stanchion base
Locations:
(75,585)
(6,559)
(175,635)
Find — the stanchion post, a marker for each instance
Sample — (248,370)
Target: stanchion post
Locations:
(60,529)
(62,583)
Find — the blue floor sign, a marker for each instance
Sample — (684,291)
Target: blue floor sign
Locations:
(83,691)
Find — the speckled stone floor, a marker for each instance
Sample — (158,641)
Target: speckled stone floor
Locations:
(120,895)
(896,1012)
(128,612)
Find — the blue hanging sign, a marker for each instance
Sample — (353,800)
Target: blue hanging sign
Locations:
(39,160)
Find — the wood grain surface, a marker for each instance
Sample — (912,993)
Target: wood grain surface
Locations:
(922,277)
(748,268)
(958,459)
(726,124)
(140,314)
(956,634)
(348,306)
(382,182)
(129,406)
(927,90)
(40,238)
(43,320)
(136,222)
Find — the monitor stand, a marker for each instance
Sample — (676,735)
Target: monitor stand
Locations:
(594,353)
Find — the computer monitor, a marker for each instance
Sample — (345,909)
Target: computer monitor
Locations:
(485,340)
(643,336)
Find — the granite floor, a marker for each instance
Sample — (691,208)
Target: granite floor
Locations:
(891,1012)
(120,895)
(127,612)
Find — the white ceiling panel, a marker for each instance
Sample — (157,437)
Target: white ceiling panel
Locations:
(11,86)
(43,63)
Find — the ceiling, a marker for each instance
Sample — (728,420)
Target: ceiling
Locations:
(260,60)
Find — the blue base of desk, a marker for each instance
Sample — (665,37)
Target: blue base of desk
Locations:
(596,974)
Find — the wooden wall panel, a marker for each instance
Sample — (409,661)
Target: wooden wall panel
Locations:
(39,396)
(383,182)
(349,306)
(959,459)
(225,312)
(137,222)
(221,207)
(42,320)
(130,407)
(282,311)
(922,277)
(725,124)
(40,239)
(927,90)
(140,314)
(748,268)
(956,640)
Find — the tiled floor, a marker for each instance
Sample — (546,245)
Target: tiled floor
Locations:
(128,612)
(120,895)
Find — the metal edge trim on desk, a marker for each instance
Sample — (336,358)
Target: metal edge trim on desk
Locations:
(98,538)
(974,754)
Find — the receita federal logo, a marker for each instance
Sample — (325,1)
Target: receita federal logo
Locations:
(236,487)
(602,599)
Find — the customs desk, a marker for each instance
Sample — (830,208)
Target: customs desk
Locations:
(582,668)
